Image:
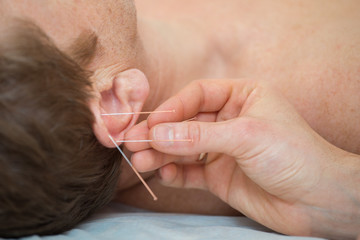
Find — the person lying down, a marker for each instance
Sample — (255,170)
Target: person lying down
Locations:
(64,64)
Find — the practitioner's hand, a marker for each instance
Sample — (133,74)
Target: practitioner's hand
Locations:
(263,158)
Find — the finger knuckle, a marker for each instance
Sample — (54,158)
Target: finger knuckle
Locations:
(248,130)
(249,127)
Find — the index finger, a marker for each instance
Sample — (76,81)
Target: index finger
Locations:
(199,96)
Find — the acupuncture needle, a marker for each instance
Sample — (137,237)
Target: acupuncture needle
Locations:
(135,171)
(145,140)
(145,133)
(159,140)
(133,113)
(148,140)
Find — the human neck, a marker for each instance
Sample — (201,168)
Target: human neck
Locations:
(172,56)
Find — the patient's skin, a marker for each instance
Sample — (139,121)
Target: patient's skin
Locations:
(309,50)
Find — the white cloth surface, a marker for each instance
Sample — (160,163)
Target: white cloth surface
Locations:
(117,221)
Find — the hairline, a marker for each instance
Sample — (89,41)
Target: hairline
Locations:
(83,49)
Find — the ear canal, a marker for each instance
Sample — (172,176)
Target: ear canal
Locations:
(127,93)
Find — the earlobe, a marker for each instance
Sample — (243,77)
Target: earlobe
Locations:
(124,92)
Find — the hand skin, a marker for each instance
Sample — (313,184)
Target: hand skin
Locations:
(264,160)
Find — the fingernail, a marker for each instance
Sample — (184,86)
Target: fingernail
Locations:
(164,132)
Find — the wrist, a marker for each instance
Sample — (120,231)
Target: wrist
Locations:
(335,212)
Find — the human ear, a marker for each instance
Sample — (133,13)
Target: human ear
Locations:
(121,92)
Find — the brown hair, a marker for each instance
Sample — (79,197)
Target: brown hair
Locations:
(53,172)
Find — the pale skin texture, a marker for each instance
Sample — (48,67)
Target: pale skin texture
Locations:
(263,158)
(308,51)
(300,51)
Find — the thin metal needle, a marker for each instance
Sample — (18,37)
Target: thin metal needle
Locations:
(136,172)
(133,113)
(160,140)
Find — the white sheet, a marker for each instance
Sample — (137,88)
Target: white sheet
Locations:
(117,221)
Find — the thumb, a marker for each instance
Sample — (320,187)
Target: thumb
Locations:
(187,138)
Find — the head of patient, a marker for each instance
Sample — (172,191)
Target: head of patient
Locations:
(53,170)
